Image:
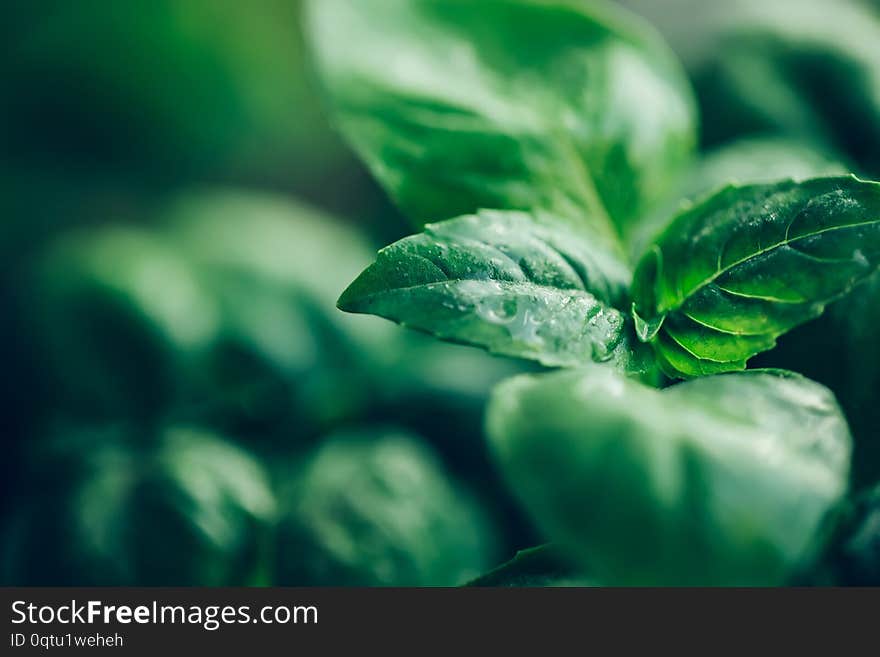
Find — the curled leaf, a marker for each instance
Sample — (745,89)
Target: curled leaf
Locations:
(737,270)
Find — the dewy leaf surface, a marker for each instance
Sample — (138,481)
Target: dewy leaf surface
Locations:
(734,272)
(513,283)
(570,107)
(723,480)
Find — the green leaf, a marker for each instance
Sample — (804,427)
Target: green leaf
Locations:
(732,273)
(118,313)
(128,507)
(759,159)
(805,68)
(573,108)
(268,237)
(378,509)
(851,369)
(808,69)
(543,565)
(222,311)
(513,283)
(765,160)
(722,480)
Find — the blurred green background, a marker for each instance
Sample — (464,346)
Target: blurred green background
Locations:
(183,404)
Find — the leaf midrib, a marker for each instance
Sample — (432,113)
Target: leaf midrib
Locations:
(587,186)
(539,286)
(683,297)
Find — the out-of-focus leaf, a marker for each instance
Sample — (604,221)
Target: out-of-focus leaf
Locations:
(206,316)
(759,160)
(805,68)
(721,480)
(109,508)
(276,268)
(573,108)
(752,160)
(374,510)
(224,314)
(274,238)
(851,368)
(734,272)
(538,566)
(118,312)
(512,283)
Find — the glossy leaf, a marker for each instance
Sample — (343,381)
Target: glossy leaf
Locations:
(722,480)
(512,283)
(574,108)
(732,273)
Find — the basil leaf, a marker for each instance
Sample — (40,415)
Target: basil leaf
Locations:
(121,506)
(543,565)
(378,509)
(513,104)
(722,480)
(119,313)
(734,272)
(270,237)
(513,283)
(287,361)
(854,374)
(851,369)
(764,159)
(808,69)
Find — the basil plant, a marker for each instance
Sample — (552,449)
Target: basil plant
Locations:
(546,152)
(118,506)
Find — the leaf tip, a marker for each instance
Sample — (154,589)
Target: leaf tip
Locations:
(351,299)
